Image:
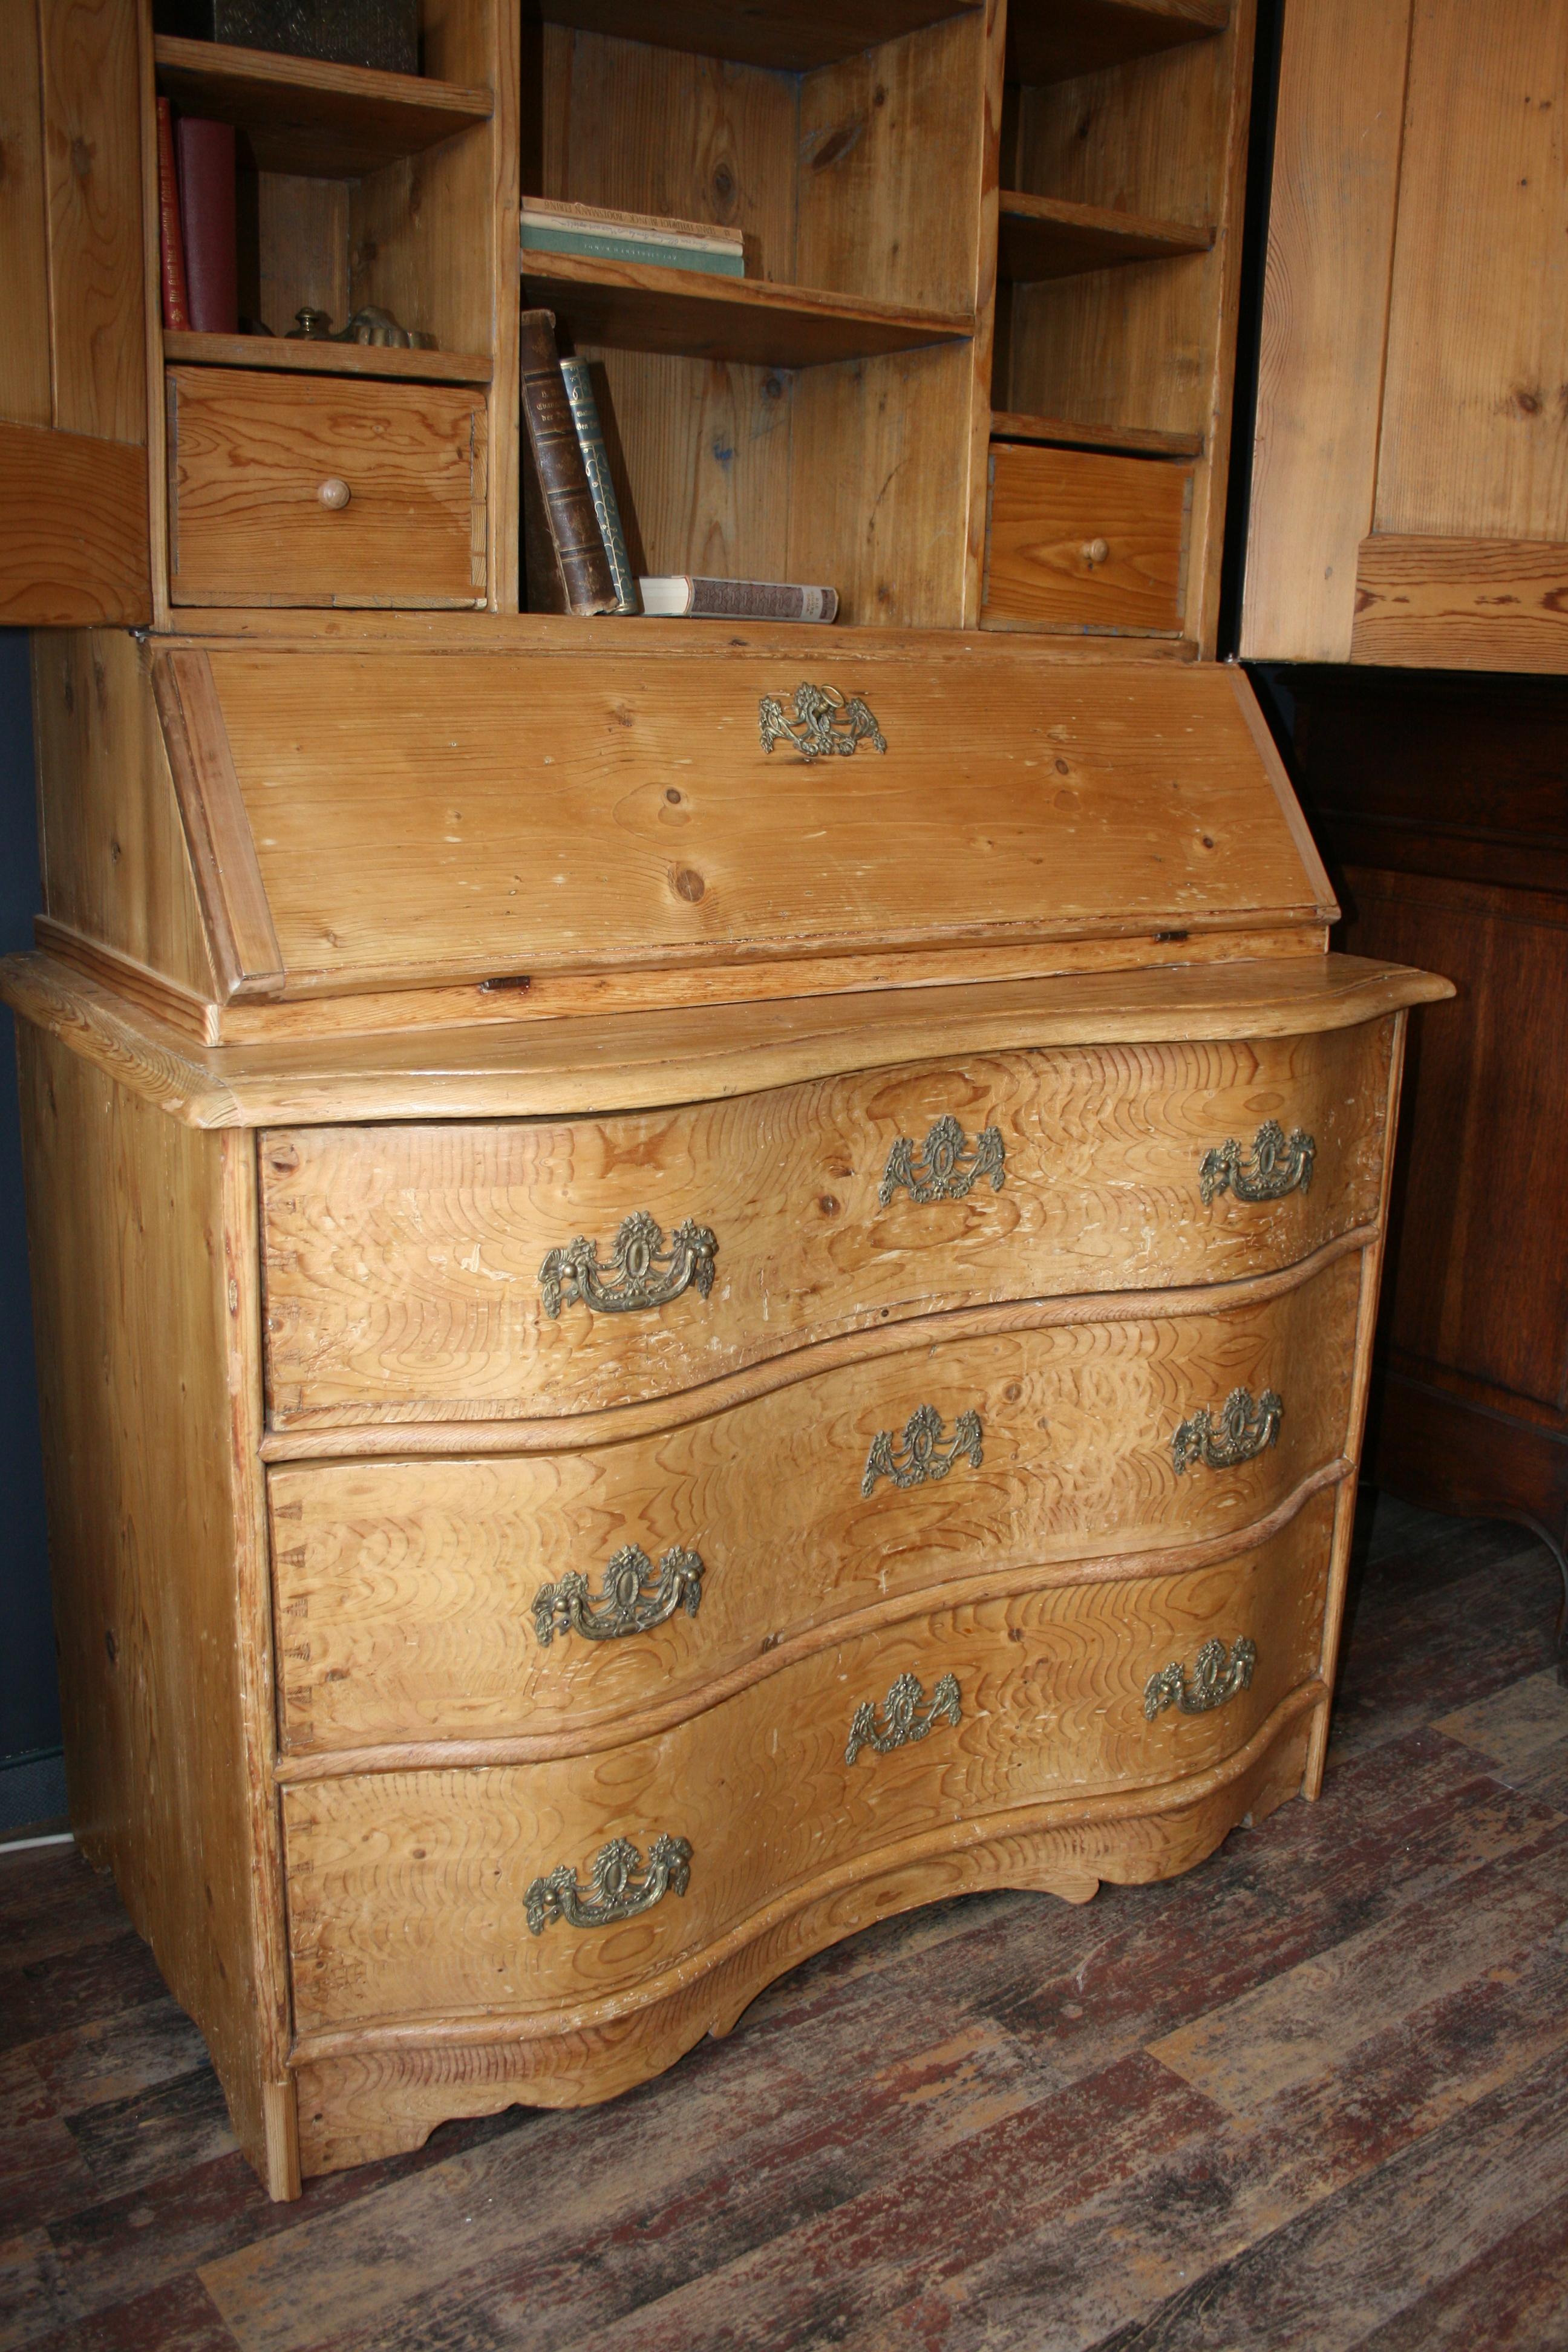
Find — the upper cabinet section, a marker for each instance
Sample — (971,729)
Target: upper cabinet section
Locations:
(73,385)
(1409,471)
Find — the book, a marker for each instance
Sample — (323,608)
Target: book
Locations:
(205,151)
(171,241)
(596,465)
(600,233)
(680,593)
(586,581)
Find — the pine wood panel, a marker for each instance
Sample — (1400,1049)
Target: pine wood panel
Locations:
(406,1588)
(405,1890)
(144,1283)
(1331,244)
(1051,512)
(75,548)
(789,36)
(1058,40)
(114,859)
(1067,432)
(25,393)
(311,358)
(93,189)
(302,262)
(1046,237)
(1471,440)
(403,1263)
(311,116)
(1461,604)
(249,452)
(702,847)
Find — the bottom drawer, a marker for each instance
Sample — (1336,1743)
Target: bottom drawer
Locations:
(409,1892)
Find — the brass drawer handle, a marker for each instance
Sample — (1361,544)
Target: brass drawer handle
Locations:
(1277,1165)
(902,1721)
(642,1273)
(823,723)
(1243,1431)
(633,1597)
(919,1454)
(949,1166)
(1214,1678)
(334,494)
(620,1886)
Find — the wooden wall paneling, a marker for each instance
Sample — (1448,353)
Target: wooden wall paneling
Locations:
(93,181)
(303,249)
(1330,249)
(706,450)
(25,391)
(115,865)
(144,1286)
(157,508)
(73,550)
(1462,604)
(1472,441)
(984,351)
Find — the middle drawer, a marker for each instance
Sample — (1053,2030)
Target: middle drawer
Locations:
(410,1593)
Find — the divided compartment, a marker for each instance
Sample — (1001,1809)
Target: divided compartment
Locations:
(814,421)
(358,188)
(1122,153)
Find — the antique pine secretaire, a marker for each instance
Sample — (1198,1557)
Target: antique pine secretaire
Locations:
(694,1282)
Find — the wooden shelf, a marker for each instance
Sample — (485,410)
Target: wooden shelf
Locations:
(303,358)
(1128,440)
(1044,236)
(790,35)
(631,308)
(1055,40)
(326,122)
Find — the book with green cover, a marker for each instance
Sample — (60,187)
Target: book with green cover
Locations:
(619,245)
(596,465)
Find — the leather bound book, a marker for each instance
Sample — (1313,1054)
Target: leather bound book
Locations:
(171,236)
(206,215)
(587,578)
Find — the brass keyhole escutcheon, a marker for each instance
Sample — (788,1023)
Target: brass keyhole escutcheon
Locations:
(334,493)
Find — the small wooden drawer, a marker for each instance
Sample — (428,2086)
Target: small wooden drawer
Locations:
(426,1601)
(324,491)
(422,1273)
(409,1892)
(1085,542)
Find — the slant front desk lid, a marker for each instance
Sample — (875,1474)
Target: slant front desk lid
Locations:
(385,816)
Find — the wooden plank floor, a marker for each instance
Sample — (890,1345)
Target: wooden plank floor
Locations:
(1315,2094)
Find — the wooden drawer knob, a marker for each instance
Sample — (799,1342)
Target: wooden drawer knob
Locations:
(334,493)
(1096,551)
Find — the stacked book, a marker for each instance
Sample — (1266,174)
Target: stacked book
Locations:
(594,233)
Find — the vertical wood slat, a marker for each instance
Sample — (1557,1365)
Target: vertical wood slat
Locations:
(25,390)
(92,178)
(1325,320)
(240,933)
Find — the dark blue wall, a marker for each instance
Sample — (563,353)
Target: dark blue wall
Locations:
(29,1701)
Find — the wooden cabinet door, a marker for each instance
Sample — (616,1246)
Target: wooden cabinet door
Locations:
(1410,482)
(74,538)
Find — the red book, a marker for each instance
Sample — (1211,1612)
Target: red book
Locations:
(206,215)
(171,241)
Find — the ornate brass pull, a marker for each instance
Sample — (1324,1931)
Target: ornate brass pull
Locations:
(902,1720)
(1243,1430)
(948,1167)
(1214,1678)
(643,1272)
(919,1454)
(1277,1165)
(823,723)
(620,1887)
(633,1599)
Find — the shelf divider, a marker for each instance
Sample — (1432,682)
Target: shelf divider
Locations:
(1056,40)
(791,36)
(1046,237)
(309,357)
(299,114)
(1062,433)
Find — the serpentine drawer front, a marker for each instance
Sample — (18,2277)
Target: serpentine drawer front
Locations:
(441,1599)
(409,1891)
(468,1271)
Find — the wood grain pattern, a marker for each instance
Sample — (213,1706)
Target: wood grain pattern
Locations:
(406,1588)
(1058,40)
(405,1890)
(705,850)
(1462,604)
(1052,511)
(145,1281)
(236,920)
(75,547)
(249,452)
(787,36)
(311,116)
(569,1066)
(403,1263)
(115,865)
(26,395)
(92,167)
(1066,432)
(1046,237)
(251,351)
(1331,245)
(1471,438)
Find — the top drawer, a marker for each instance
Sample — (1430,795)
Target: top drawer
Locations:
(324,491)
(530,1267)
